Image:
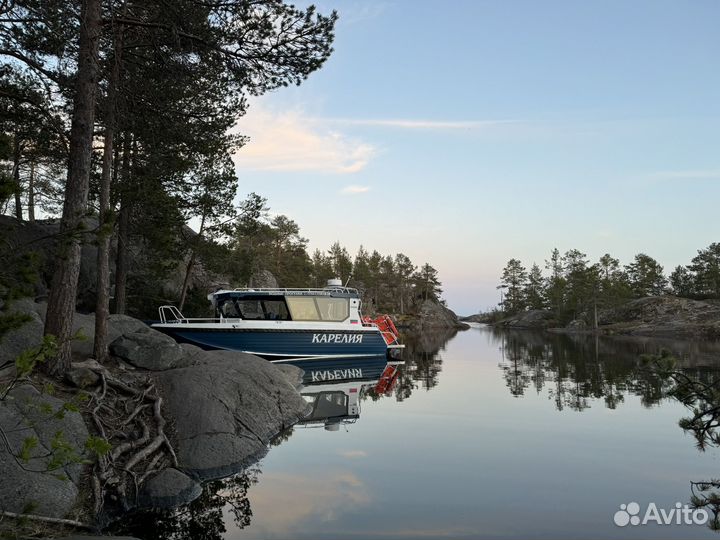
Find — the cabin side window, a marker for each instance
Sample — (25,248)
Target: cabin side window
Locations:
(303,308)
(334,309)
(250,309)
(275,310)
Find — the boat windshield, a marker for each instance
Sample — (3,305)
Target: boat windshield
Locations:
(321,308)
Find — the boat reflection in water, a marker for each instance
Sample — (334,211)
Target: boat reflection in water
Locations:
(335,394)
(335,390)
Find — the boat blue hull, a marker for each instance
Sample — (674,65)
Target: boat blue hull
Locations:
(284,344)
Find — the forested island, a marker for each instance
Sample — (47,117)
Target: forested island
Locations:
(574,294)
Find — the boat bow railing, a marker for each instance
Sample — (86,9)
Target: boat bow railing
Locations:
(171,314)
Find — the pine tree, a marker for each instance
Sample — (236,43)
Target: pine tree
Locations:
(340,261)
(513,282)
(706,268)
(404,270)
(555,283)
(683,282)
(534,292)
(645,276)
(428,283)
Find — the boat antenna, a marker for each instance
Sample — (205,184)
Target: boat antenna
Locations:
(348,279)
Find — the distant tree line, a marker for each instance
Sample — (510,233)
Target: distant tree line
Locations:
(571,285)
(255,241)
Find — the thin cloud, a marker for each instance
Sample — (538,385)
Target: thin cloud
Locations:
(355,190)
(353,454)
(420,124)
(292,141)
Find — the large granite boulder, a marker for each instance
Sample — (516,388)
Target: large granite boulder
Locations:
(84,325)
(262,279)
(226,410)
(26,414)
(293,374)
(147,349)
(432,314)
(30,334)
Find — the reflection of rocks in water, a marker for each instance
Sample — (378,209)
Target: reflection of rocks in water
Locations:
(423,362)
(200,520)
(575,369)
(426,342)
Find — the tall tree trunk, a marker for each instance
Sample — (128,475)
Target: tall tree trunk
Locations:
(63,291)
(191,264)
(16,179)
(121,261)
(102,305)
(31,192)
(595,315)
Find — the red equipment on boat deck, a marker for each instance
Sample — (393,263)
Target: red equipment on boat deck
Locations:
(386,327)
(387,379)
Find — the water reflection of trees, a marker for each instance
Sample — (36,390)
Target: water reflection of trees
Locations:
(423,361)
(203,519)
(699,391)
(574,370)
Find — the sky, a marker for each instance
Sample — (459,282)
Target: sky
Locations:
(464,133)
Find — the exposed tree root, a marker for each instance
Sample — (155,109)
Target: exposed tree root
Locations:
(129,416)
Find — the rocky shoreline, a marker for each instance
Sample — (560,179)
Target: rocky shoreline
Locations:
(655,316)
(430,316)
(221,409)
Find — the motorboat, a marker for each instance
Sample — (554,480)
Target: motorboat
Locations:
(287,325)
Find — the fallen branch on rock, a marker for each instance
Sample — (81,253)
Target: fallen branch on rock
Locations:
(45,519)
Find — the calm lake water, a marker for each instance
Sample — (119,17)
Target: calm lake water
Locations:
(485,434)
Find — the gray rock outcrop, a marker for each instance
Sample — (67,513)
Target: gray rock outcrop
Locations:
(26,414)
(40,236)
(226,410)
(293,374)
(533,319)
(147,349)
(663,316)
(223,408)
(262,279)
(432,314)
